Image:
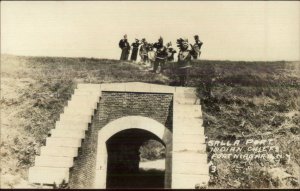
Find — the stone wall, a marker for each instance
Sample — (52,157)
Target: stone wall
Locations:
(114,105)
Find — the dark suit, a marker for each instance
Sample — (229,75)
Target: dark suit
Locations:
(135,49)
(124,45)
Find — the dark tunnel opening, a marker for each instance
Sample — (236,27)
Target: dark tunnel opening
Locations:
(124,158)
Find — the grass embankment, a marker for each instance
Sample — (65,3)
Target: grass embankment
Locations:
(257,100)
(34,91)
(238,98)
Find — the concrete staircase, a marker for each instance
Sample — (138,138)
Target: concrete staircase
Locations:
(61,147)
(189,164)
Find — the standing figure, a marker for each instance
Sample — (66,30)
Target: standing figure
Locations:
(184,60)
(161,55)
(151,55)
(124,45)
(135,49)
(197,47)
(144,51)
(170,51)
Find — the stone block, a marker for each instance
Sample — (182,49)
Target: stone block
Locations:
(66,132)
(88,85)
(189,157)
(189,138)
(54,161)
(48,175)
(83,111)
(59,151)
(81,104)
(188,181)
(76,117)
(63,142)
(71,124)
(201,148)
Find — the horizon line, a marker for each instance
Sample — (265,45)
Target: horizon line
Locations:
(9,54)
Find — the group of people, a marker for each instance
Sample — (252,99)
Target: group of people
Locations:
(157,54)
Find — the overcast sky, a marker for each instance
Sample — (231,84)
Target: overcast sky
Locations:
(241,30)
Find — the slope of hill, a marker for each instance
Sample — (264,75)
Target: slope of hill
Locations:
(259,100)
(238,99)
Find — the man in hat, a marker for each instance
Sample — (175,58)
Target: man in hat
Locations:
(184,60)
(161,55)
(196,47)
(144,51)
(135,49)
(125,47)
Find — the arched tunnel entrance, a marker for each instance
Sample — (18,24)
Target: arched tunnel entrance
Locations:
(124,159)
(118,154)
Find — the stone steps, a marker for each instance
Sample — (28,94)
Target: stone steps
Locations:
(196,168)
(187,101)
(68,133)
(189,138)
(187,107)
(83,111)
(83,104)
(189,147)
(85,96)
(88,86)
(57,156)
(189,130)
(63,142)
(54,161)
(59,151)
(187,115)
(76,117)
(70,125)
(189,158)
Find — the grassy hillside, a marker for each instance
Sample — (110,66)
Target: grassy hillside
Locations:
(256,100)
(238,98)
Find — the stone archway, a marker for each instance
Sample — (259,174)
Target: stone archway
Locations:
(74,154)
(127,123)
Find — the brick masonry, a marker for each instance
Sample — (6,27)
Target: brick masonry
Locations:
(114,105)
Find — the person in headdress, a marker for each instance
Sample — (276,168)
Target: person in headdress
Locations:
(161,55)
(144,51)
(124,45)
(197,47)
(135,49)
(170,51)
(184,60)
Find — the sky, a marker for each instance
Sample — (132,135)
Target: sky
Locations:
(230,30)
